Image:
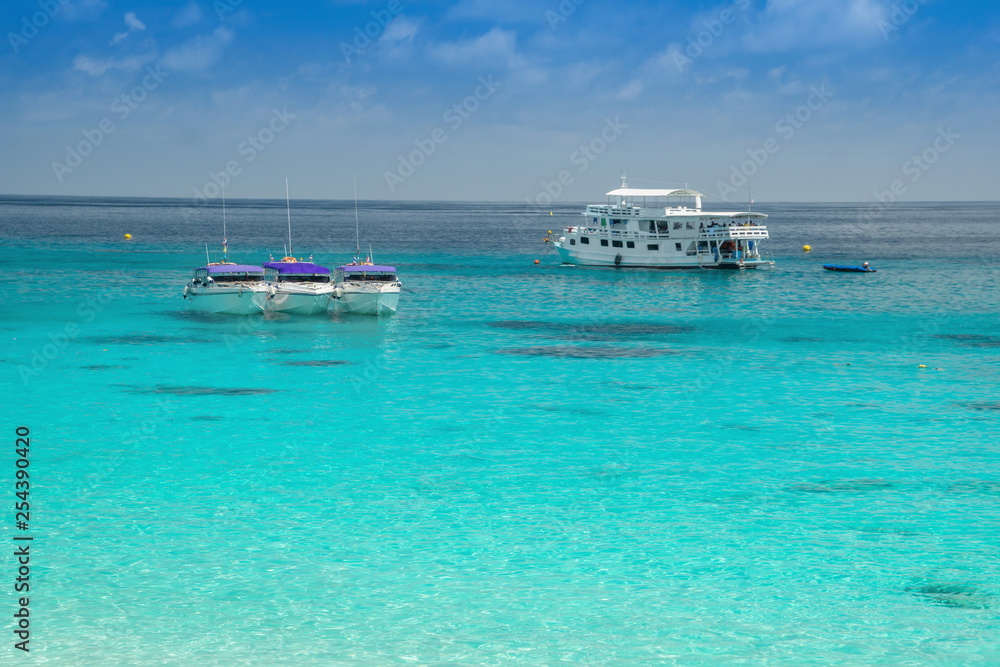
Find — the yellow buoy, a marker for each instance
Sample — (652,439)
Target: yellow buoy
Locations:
(807,248)
(128,237)
(922,366)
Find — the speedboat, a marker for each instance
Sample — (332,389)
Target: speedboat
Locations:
(296,287)
(366,289)
(225,288)
(662,229)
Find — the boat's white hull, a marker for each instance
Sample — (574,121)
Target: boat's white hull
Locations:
(223,300)
(662,259)
(626,258)
(367,300)
(296,301)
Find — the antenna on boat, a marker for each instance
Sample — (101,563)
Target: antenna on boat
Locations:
(371,255)
(208,260)
(357,223)
(288,212)
(225,243)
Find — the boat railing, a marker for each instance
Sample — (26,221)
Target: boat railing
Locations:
(596,209)
(618,233)
(710,234)
(734,232)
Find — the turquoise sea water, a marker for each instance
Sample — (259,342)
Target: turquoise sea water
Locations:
(527,465)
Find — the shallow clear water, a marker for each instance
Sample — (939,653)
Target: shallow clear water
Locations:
(527,464)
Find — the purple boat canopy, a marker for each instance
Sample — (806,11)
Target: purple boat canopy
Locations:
(296,267)
(233,268)
(366,268)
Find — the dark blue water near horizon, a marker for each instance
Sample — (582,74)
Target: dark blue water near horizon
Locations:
(526,465)
(900,230)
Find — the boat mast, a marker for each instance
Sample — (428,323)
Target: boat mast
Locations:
(288,212)
(225,243)
(357,222)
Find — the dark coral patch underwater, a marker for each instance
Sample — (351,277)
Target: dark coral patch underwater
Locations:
(958,596)
(584,352)
(201,391)
(609,331)
(315,362)
(972,340)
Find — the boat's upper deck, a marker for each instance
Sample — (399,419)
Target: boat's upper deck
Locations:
(646,213)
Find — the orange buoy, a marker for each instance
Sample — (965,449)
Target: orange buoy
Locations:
(536,261)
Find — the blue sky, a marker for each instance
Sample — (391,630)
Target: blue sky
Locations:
(797,100)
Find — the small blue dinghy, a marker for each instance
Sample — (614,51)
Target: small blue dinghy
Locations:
(864,268)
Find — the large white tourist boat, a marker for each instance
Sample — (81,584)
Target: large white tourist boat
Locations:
(366,289)
(662,229)
(225,288)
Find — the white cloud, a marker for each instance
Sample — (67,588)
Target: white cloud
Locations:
(190,15)
(398,37)
(786,25)
(82,10)
(495,10)
(631,90)
(199,53)
(98,66)
(496,45)
(133,22)
(401,30)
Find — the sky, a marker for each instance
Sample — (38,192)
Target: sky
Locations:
(543,101)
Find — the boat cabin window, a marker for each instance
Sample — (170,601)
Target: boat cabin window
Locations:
(370,277)
(677,246)
(604,242)
(616,244)
(652,246)
(678,225)
(200,276)
(572,241)
(630,244)
(303,278)
(235,277)
(584,239)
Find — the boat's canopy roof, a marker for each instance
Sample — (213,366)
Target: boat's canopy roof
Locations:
(232,268)
(366,268)
(644,192)
(296,267)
